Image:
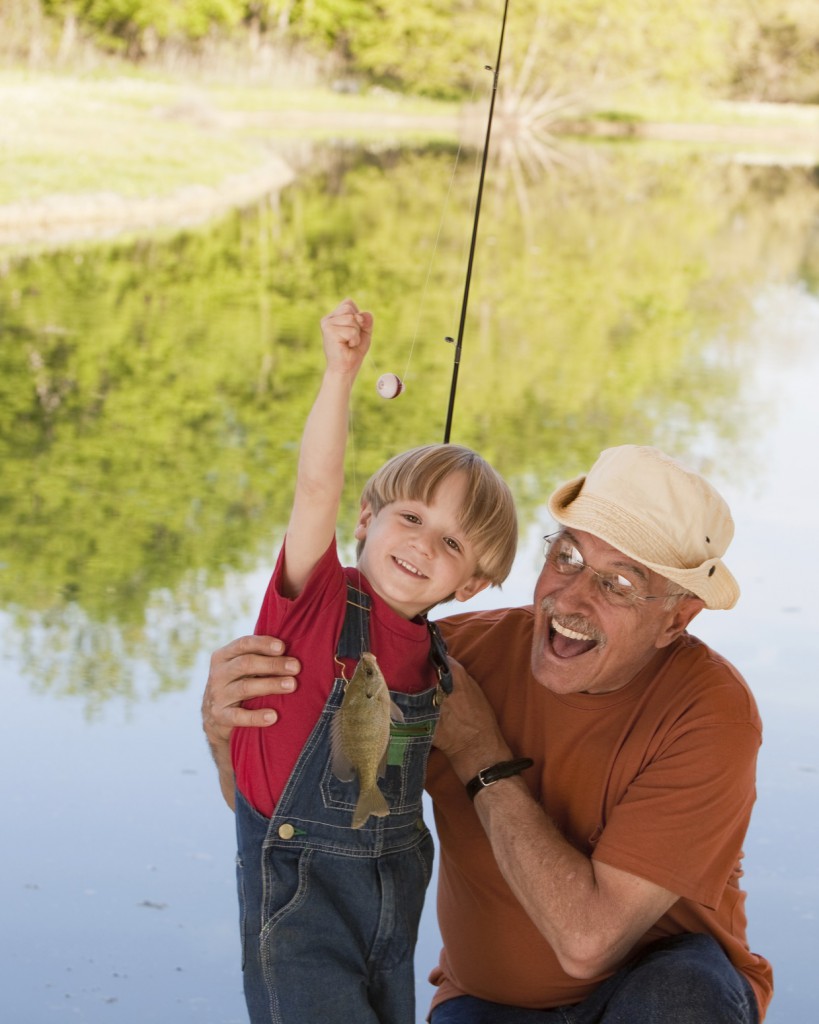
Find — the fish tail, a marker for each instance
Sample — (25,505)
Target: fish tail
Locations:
(370,802)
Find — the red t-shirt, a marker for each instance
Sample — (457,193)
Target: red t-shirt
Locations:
(656,779)
(310,625)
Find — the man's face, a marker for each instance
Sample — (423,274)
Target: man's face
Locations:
(587,636)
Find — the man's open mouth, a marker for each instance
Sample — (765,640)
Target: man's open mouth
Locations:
(569,643)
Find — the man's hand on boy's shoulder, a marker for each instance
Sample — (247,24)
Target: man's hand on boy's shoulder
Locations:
(250,666)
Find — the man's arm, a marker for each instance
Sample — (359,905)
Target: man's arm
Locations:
(590,913)
(252,666)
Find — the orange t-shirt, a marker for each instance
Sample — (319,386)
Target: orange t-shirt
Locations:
(656,779)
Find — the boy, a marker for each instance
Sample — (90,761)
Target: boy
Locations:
(330,908)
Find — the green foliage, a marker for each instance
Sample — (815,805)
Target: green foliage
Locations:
(125,21)
(432,47)
(768,49)
(777,56)
(152,394)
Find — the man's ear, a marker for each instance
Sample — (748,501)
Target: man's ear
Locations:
(364,517)
(474,585)
(679,616)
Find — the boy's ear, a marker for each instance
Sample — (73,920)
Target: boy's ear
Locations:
(474,585)
(364,517)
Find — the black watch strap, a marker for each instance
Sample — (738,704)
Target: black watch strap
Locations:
(496,772)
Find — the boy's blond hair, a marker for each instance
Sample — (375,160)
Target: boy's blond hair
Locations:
(488,516)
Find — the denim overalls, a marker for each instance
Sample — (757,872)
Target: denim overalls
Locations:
(329,913)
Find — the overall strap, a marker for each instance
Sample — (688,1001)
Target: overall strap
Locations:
(355,633)
(355,637)
(439,658)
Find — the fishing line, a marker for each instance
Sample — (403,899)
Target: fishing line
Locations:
(390,385)
(351,449)
(458,343)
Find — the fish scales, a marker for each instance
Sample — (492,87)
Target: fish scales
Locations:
(361,734)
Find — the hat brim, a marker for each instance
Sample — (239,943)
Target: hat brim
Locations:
(711,581)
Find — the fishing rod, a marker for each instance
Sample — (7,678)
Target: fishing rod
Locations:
(457,359)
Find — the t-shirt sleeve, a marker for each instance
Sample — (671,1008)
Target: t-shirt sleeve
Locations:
(682,820)
(294,616)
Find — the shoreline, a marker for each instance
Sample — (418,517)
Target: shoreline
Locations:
(752,133)
(60,220)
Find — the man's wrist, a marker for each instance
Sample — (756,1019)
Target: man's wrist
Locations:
(495,772)
(467,762)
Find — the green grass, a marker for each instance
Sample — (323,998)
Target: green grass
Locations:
(146,136)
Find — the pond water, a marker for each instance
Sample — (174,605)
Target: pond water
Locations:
(153,392)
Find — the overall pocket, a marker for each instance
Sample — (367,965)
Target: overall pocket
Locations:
(403,781)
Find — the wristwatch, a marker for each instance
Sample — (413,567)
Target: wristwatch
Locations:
(496,772)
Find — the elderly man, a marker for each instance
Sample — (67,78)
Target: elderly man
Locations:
(593,788)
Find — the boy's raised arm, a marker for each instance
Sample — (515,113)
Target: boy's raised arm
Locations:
(346,335)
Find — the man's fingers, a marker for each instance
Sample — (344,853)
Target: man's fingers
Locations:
(259,717)
(253,644)
(253,666)
(243,669)
(254,675)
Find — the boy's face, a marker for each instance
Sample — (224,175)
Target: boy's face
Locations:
(417,555)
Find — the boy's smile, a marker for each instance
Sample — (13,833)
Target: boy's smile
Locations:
(409,568)
(415,554)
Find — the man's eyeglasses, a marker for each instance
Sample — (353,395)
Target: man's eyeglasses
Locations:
(562,556)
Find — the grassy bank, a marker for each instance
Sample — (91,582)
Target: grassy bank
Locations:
(83,153)
(140,135)
(146,136)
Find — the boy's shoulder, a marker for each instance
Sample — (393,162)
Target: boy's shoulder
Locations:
(490,626)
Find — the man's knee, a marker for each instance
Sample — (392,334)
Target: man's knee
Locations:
(686,979)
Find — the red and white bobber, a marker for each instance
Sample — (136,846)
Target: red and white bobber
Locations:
(389,385)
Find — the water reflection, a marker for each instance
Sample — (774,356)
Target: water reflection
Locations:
(153,392)
(151,398)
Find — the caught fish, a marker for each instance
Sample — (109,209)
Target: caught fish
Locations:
(360,735)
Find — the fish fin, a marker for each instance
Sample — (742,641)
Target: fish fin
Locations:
(382,764)
(370,802)
(341,764)
(396,714)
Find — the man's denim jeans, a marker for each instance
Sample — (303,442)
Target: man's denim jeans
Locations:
(686,979)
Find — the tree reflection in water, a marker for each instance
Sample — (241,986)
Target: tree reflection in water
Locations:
(152,396)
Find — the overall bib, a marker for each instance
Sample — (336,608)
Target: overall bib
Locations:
(329,913)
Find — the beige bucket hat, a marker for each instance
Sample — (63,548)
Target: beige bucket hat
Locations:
(647,505)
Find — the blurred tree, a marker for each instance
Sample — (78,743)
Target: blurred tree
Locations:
(764,49)
(152,394)
(776,54)
(136,25)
